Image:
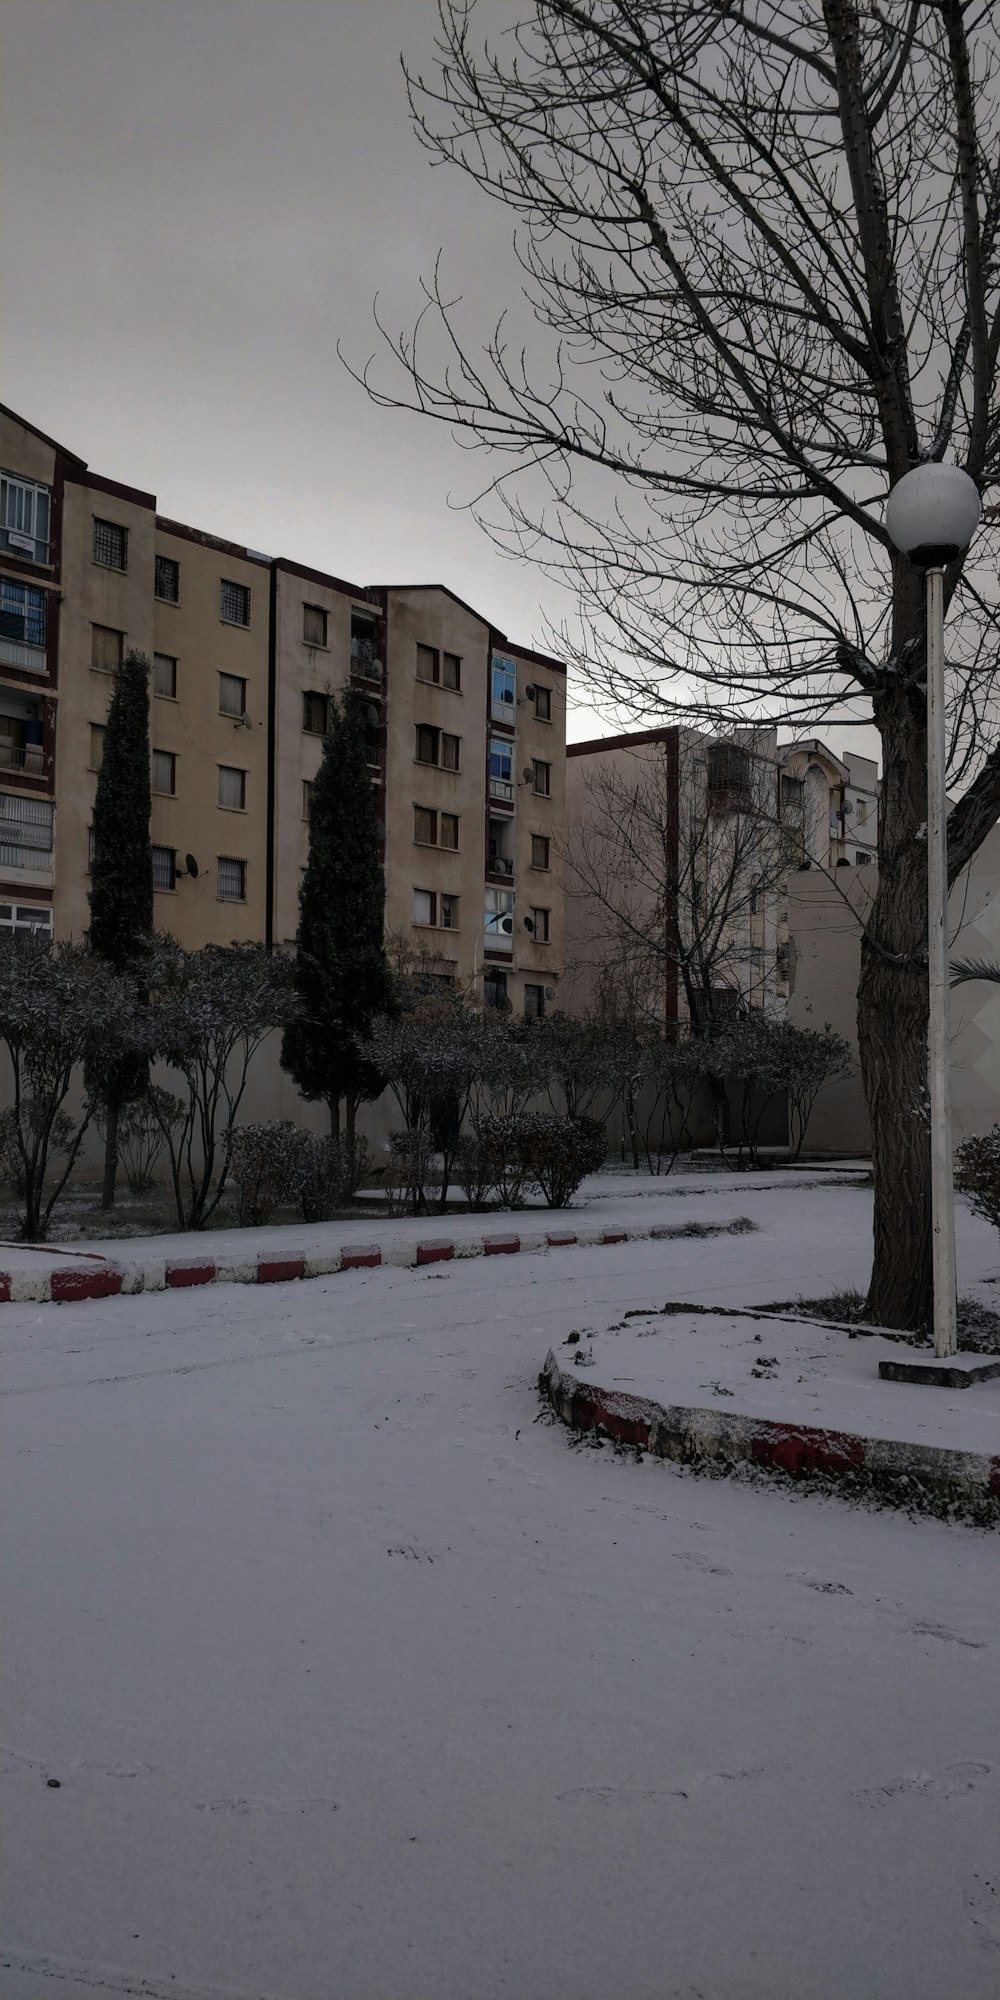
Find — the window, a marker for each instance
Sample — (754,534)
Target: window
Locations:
(307,797)
(448,824)
(165,675)
(501,768)
(106,647)
(863,859)
(24,517)
(540,850)
(314,714)
(425,826)
(728,777)
(498,919)
(96,745)
(502,684)
(234,602)
(167,580)
(495,988)
(25,832)
(543,704)
(435,746)
(791,792)
(232,695)
(110,544)
(542,778)
(164,772)
(314,623)
(534,1003)
(232,879)
(364,646)
(428,664)
(451,671)
(756,902)
(22,625)
(424,906)
(232,788)
(164,867)
(449,913)
(540,925)
(25,917)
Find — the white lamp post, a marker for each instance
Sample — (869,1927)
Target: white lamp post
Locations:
(932,515)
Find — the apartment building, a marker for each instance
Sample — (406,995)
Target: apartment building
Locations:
(673,873)
(466,732)
(837,799)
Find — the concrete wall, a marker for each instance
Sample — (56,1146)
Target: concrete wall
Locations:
(824,921)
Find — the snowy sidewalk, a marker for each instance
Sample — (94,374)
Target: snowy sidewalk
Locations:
(610,1208)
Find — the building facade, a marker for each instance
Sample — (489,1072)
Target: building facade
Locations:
(467,732)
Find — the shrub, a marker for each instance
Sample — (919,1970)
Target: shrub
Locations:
(12,1169)
(261,1160)
(141,1134)
(503,1156)
(557,1153)
(408,1171)
(325,1173)
(474,1170)
(979,1173)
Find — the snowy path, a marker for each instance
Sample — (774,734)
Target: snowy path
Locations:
(362,1685)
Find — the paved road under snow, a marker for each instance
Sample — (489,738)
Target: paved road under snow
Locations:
(360,1684)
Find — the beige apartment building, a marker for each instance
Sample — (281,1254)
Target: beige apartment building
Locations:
(673,873)
(467,732)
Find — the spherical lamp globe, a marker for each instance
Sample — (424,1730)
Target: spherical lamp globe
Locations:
(932,514)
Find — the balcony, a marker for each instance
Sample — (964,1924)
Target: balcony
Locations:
(27,757)
(375,757)
(502,792)
(500,865)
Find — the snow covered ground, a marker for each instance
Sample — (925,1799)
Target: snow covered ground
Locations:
(361,1684)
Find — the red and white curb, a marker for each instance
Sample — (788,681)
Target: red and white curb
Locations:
(104,1280)
(966,1479)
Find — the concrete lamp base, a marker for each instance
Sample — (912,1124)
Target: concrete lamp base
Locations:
(955,1371)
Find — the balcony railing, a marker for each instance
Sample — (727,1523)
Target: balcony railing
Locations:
(375,756)
(16,653)
(36,858)
(29,758)
(502,789)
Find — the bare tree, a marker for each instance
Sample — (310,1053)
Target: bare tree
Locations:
(759,240)
(675,857)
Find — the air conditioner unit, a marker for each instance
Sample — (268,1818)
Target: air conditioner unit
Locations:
(507,926)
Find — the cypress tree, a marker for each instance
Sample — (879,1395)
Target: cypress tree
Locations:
(121,872)
(342,975)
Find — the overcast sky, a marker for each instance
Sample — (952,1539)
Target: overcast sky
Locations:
(200,198)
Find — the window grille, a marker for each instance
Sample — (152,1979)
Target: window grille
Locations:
(164,860)
(110,544)
(234,602)
(232,878)
(167,580)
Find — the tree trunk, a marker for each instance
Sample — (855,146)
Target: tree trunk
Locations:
(892,1024)
(112,1109)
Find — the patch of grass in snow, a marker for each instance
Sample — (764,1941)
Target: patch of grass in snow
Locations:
(978,1324)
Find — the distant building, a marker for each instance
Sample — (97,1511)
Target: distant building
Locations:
(467,732)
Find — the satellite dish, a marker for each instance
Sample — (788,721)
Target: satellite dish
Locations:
(191,864)
(527,774)
(529,924)
(550,993)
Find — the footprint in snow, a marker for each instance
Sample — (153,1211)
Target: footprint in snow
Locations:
(953,1781)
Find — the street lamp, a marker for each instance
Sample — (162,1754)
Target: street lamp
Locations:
(931,516)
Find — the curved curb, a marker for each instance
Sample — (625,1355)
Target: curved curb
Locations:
(718,1440)
(104,1278)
